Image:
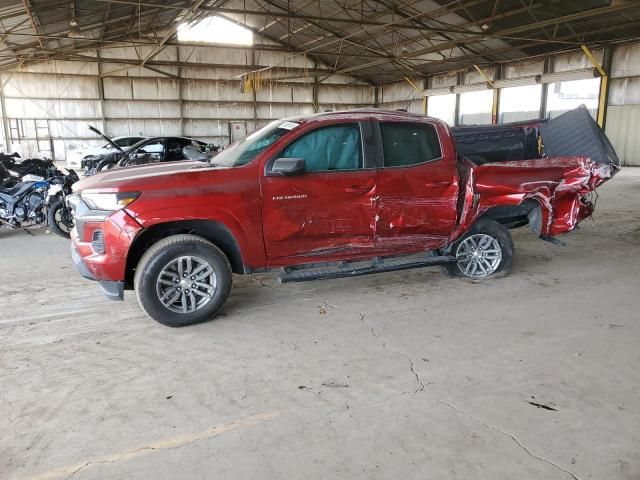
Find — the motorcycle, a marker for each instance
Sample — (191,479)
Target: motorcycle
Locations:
(35,200)
(29,166)
(59,214)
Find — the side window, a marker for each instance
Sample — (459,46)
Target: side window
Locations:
(133,140)
(337,147)
(174,149)
(409,143)
(150,152)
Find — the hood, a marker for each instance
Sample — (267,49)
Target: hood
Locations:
(111,142)
(105,154)
(117,178)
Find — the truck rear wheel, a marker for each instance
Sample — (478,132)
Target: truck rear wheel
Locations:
(182,280)
(485,250)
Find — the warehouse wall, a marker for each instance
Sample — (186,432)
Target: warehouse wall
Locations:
(401,96)
(623,115)
(49,105)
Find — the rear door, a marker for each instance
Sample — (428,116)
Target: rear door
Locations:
(327,211)
(417,188)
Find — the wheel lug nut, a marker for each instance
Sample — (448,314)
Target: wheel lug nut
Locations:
(193,286)
(193,278)
(184,275)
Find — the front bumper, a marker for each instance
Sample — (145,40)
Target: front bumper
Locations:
(105,260)
(112,290)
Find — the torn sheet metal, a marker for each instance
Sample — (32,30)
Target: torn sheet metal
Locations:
(560,186)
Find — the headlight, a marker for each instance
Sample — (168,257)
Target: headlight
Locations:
(109,201)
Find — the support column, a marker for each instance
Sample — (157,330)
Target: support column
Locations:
(254,95)
(545,88)
(101,92)
(495,108)
(603,98)
(425,99)
(456,120)
(314,91)
(180,91)
(5,120)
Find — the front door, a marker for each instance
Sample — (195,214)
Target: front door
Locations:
(417,188)
(327,211)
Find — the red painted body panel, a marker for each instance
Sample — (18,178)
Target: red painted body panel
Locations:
(559,185)
(119,230)
(417,205)
(329,216)
(317,215)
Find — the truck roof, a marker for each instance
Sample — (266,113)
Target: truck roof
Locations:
(362,113)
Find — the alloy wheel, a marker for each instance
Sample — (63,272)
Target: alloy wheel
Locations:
(186,284)
(479,255)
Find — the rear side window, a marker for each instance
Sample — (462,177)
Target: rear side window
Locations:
(337,147)
(406,144)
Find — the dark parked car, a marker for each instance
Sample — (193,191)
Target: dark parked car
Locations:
(329,195)
(150,150)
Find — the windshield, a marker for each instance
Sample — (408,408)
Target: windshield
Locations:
(247,149)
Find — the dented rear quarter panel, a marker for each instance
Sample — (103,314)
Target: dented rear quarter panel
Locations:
(560,186)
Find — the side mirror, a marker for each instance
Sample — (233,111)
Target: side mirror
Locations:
(287,166)
(191,152)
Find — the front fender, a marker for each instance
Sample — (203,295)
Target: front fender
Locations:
(253,252)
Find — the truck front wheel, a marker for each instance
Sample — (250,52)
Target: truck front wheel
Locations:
(485,250)
(182,280)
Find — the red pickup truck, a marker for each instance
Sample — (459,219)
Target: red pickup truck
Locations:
(333,195)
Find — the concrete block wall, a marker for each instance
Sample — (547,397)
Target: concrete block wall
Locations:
(188,90)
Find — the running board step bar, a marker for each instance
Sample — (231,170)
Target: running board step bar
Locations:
(356,269)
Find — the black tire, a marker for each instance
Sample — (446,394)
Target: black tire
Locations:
(64,224)
(159,257)
(102,167)
(497,231)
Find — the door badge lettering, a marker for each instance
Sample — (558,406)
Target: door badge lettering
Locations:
(290,197)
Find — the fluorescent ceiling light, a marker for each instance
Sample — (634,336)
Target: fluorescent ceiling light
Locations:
(215,30)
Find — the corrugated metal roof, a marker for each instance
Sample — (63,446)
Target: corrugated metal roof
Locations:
(378,41)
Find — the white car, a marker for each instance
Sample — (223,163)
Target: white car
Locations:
(75,157)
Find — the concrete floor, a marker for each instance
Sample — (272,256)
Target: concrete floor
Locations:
(402,375)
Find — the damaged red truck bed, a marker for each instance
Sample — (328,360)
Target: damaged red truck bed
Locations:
(333,195)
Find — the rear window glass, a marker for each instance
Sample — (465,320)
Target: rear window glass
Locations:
(406,144)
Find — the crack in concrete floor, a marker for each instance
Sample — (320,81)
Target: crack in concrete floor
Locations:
(422,389)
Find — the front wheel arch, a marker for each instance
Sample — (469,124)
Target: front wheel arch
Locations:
(215,232)
(180,259)
(105,165)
